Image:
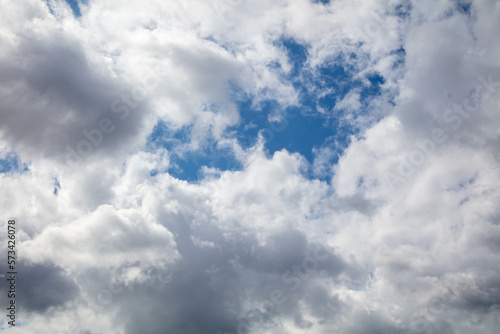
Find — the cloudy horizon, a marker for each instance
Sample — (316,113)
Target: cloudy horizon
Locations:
(249,166)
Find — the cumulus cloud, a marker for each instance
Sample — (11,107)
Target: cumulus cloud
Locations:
(386,224)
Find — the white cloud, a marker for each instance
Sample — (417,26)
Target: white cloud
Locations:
(409,213)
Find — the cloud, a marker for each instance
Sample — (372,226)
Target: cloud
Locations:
(387,223)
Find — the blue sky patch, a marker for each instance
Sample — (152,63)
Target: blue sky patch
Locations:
(186,164)
(296,53)
(309,128)
(75,7)
(57,186)
(464,7)
(11,163)
(73,4)
(324,2)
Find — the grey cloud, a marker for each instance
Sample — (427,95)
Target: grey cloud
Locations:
(210,289)
(54,93)
(42,287)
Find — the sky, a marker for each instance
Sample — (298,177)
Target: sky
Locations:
(250,166)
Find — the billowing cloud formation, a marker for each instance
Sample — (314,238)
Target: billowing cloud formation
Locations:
(376,215)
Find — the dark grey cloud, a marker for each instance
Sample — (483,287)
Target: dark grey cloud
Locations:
(41,287)
(233,286)
(54,94)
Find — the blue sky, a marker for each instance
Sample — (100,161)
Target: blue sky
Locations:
(10,163)
(300,129)
(74,4)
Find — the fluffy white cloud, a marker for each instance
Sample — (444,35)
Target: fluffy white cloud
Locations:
(402,237)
